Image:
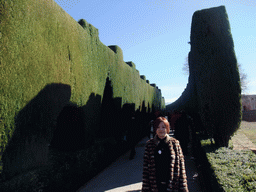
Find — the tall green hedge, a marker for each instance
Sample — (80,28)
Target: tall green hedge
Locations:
(214,89)
(41,47)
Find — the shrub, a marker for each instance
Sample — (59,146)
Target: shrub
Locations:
(234,170)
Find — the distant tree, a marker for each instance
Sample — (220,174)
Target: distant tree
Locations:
(185,67)
(243,76)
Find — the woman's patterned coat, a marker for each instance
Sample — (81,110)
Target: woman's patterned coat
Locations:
(178,178)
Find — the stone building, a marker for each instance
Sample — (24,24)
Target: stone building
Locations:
(249,102)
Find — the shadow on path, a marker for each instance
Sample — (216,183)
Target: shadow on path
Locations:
(122,175)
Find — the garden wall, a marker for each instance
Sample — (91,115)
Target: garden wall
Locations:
(249,116)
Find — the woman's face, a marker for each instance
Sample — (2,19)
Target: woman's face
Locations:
(161,130)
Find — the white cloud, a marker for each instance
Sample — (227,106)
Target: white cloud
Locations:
(168,101)
(250,93)
(171,92)
(172,88)
(251,88)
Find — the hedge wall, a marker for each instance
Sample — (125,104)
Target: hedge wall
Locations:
(48,60)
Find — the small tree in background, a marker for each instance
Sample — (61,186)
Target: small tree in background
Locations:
(185,67)
(243,78)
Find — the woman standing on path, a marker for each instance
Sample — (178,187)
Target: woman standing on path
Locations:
(164,166)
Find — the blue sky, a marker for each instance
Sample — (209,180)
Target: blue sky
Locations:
(154,34)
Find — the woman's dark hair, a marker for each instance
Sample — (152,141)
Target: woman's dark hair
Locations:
(158,121)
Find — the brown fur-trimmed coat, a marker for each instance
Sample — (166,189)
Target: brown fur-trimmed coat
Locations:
(178,178)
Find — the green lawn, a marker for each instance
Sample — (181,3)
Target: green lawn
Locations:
(249,129)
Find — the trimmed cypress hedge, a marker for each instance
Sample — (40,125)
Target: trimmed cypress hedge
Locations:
(214,89)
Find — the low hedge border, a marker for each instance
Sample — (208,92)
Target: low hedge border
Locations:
(227,169)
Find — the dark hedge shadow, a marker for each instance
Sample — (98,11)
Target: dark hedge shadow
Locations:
(92,110)
(74,155)
(79,137)
(77,126)
(34,125)
(70,134)
(110,114)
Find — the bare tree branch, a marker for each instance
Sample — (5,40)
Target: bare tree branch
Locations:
(185,68)
(243,78)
